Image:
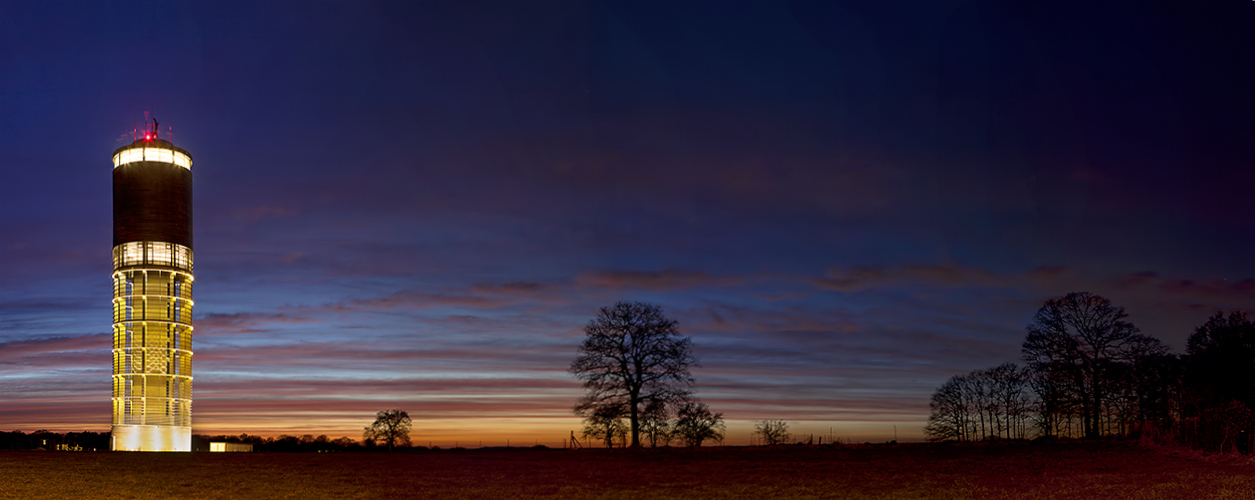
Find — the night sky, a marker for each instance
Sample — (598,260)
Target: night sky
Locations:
(420,204)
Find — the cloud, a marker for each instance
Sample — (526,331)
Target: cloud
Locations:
(1056,279)
(860,278)
(1221,289)
(42,346)
(244,323)
(664,280)
(415,300)
(511,289)
(443,385)
(394,355)
(480,296)
(254,214)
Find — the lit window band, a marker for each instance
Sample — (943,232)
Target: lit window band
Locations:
(158,253)
(163,155)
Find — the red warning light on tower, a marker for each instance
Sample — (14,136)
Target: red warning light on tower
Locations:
(150,129)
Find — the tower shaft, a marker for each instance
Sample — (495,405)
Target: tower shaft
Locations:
(152,297)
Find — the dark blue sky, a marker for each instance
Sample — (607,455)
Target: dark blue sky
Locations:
(420,204)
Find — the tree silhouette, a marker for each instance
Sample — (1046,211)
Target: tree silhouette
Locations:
(1054,391)
(1008,401)
(1157,384)
(391,427)
(605,423)
(1228,427)
(656,423)
(695,423)
(772,432)
(1093,375)
(1082,337)
(949,413)
(632,356)
(1221,360)
(984,404)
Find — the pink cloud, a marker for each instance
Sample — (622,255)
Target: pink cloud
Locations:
(20,348)
(511,289)
(245,323)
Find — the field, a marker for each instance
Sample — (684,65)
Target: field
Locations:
(1055,470)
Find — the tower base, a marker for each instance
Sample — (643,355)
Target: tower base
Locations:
(150,438)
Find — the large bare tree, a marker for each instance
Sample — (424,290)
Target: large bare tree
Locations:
(391,427)
(632,355)
(1085,338)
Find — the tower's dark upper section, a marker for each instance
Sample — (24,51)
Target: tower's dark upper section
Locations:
(152,200)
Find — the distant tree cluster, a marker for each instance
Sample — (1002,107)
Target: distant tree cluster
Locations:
(635,367)
(50,441)
(984,404)
(282,443)
(1090,373)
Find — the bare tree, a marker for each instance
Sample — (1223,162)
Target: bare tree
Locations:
(656,424)
(1052,386)
(772,432)
(605,423)
(695,423)
(976,390)
(1009,399)
(1082,335)
(632,356)
(1157,382)
(984,404)
(392,427)
(949,415)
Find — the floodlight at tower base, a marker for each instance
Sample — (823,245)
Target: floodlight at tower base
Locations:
(151,438)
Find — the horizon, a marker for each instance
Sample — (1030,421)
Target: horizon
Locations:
(420,206)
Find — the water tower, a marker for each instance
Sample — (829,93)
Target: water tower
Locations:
(152,295)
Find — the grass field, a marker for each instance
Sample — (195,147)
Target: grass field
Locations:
(1059,470)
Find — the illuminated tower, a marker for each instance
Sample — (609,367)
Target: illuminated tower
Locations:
(152,295)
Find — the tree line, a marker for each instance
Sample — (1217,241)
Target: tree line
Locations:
(984,404)
(50,441)
(285,443)
(1089,373)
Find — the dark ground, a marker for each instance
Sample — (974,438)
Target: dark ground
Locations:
(1053,470)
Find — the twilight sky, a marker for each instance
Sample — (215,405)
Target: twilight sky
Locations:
(420,204)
